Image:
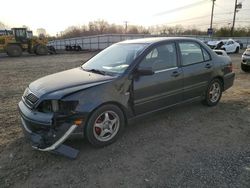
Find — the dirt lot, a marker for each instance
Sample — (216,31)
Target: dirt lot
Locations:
(188,146)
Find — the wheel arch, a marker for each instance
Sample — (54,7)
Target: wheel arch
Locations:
(221,79)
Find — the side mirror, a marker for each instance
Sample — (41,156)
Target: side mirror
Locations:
(144,71)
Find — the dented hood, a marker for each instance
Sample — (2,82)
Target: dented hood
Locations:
(66,79)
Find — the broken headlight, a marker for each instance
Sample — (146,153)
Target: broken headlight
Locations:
(59,106)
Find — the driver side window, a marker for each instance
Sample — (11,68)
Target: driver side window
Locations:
(161,57)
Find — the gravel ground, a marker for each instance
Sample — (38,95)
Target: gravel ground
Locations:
(187,146)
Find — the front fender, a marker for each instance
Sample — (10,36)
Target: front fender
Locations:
(60,94)
(117,92)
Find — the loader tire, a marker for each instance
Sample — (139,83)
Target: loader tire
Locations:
(41,50)
(14,50)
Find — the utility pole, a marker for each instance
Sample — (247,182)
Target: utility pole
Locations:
(236,9)
(210,29)
(126,26)
(212,15)
(232,29)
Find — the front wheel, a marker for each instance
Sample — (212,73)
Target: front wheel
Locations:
(213,93)
(105,125)
(237,50)
(41,49)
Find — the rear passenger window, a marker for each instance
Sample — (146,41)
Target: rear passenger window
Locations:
(206,55)
(161,57)
(191,53)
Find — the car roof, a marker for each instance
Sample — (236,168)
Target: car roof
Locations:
(154,40)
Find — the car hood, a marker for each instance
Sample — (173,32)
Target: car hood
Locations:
(213,43)
(66,79)
(247,52)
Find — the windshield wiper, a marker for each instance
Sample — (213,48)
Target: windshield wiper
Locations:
(96,71)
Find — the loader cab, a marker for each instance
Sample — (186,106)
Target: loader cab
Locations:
(29,34)
(20,34)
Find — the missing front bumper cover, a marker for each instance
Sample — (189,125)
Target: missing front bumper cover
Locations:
(39,142)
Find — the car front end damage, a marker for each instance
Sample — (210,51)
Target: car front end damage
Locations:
(245,60)
(48,123)
(246,57)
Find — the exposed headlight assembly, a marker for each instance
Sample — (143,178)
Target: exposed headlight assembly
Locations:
(59,106)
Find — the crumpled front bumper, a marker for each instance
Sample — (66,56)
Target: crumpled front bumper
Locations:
(245,59)
(43,134)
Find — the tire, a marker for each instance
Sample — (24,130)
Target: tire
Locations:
(14,50)
(52,50)
(41,50)
(213,93)
(245,68)
(237,50)
(105,125)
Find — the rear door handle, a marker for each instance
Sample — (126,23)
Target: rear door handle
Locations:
(175,73)
(208,66)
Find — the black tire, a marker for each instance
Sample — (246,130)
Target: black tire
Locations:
(93,133)
(14,50)
(52,50)
(41,50)
(209,100)
(237,50)
(245,68)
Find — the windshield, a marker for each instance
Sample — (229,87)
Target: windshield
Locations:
(114,59)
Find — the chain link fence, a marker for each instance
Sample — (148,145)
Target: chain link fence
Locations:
(99,42)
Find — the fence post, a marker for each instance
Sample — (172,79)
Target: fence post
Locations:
(90,46)
(98,42)
(108,40)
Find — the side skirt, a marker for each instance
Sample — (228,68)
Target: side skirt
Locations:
(199,98)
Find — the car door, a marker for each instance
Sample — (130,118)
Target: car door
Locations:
(230,47)
(164,87)
(197,69)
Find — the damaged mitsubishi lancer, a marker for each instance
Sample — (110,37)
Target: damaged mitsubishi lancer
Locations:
(125,81)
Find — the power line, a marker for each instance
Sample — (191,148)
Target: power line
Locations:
(196,18)
(181,8)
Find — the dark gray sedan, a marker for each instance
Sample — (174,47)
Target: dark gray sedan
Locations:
(125,81)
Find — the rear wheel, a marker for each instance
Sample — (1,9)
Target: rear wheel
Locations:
(213,93)
(105,125)
(41,49)
(245,68)
(14,50)
(237,50)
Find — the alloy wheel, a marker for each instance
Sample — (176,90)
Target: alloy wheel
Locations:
(106,126)
(214,92)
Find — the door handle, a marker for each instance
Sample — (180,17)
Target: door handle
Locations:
(175,73)
(208,66)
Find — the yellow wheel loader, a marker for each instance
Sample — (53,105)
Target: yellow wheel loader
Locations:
(17,40)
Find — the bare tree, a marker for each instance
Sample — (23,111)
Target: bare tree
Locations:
(2,25)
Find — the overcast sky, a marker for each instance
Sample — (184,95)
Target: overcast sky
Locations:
(57,15)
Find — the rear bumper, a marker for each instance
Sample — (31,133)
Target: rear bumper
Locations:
(41,131)
(229,80)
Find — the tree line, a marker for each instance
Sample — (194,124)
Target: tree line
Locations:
(99,27)
(103,27)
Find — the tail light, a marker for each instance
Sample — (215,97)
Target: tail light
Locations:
(230,67)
